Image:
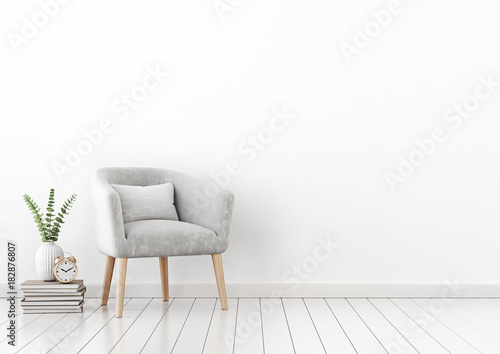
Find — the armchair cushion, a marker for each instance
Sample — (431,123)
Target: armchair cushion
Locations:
(162,238)
(154,202)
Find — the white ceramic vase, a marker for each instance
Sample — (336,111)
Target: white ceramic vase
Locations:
(45,257)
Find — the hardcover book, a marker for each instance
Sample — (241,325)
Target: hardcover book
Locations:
(52,297)
(54,292)
(50,311)
(40,284)
(44,304)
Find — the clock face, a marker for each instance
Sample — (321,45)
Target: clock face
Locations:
(66,271)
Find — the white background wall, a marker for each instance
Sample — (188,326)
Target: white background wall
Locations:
(322,176)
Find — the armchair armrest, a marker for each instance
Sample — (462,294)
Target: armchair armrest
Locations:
(108,218)
(204,204)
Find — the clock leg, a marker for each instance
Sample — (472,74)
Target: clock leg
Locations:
(120,293)
(108,275)
(164,277)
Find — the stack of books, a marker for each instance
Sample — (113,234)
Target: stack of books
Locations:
(52,297)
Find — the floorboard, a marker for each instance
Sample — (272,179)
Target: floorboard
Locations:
(465,330)
(138,334)
(220,338)
(276,334)
(165,335)
(362,337)
(248,338)
(115,329)
(303,332)
(470,313)
(330,331)
(388,335)
(31,331)
(60,331)
(5,319)
(194,333)
(409,328)
(449,339)
(22,322)
(487,309)
(85,332)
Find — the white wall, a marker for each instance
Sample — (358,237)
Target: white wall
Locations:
(322,176)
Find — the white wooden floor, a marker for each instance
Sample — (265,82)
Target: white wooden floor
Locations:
(281,326)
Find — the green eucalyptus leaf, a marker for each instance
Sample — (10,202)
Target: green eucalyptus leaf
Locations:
(49,225)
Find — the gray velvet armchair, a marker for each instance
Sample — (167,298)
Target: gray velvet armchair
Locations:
(204,213)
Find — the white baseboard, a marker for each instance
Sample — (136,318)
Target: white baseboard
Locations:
(304,290)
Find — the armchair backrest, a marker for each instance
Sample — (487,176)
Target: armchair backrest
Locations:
(137,176)
(197,202)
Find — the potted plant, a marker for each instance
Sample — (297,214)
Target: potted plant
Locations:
(49,225)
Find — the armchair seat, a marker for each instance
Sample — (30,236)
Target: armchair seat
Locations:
(165,238)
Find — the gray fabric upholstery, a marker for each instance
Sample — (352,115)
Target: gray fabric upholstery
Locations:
(147,203)
(152,237)
(202,204)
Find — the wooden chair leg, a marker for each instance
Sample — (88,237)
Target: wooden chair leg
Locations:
(120,286)
(108,275)
(219,276)
(164,277)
